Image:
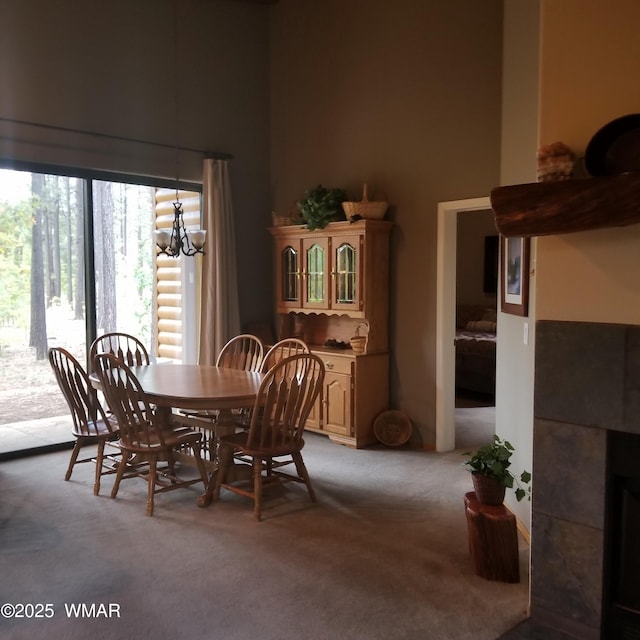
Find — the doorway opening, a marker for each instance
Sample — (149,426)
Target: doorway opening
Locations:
(450,214)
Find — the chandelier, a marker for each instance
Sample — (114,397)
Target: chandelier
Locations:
(179,239)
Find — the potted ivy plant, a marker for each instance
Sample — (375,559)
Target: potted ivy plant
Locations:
(489,467)
(322,205)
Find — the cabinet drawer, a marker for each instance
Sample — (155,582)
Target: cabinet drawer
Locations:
(335,364)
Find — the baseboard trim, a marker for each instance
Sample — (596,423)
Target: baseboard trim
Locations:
(522,530)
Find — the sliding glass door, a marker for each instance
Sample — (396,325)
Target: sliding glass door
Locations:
(77,259)
(124,259)
(41,274)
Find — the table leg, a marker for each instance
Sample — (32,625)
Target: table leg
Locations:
(223,427)
(207,497)
(233,472)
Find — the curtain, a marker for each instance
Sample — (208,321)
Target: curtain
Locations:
(219,315)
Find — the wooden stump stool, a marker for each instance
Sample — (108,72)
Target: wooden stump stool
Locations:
(493,540)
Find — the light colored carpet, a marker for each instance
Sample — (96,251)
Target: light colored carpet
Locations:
(382,555)
(475,426)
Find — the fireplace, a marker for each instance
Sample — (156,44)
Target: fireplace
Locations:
(621,614)
(586,483)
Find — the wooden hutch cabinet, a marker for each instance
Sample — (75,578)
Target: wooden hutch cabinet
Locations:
(329,282)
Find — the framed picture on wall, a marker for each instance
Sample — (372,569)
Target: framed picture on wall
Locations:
(514,276)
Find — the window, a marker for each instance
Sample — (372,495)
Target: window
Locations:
(77,259)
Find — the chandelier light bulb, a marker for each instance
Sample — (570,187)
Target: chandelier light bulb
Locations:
(180,240)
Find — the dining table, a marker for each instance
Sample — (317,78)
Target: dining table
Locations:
(171,387)
(193,386)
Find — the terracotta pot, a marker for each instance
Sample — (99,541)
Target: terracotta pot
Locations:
(488,490)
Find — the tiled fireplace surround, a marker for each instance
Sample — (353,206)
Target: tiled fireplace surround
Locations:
(587,381)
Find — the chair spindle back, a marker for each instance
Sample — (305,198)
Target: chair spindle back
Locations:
(126,347)
(286,397)
(283,349)
(244,351)
(136,418)
(81,397)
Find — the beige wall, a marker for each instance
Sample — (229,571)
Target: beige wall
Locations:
(111,68)
(588,81)
(570,67)
(406,97)
(515,360)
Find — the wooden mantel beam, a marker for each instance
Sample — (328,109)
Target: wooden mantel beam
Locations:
(552,208)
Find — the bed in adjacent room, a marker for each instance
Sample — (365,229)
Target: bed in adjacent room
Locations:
(475,345)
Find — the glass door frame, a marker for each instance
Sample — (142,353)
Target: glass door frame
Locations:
(88,176)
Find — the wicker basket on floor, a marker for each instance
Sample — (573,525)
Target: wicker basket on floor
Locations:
(392,428)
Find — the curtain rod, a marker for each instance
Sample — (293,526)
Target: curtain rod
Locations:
(207,154)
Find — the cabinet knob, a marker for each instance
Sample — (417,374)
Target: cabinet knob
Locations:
(328,365)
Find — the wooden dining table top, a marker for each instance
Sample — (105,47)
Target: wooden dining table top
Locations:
(192,386)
